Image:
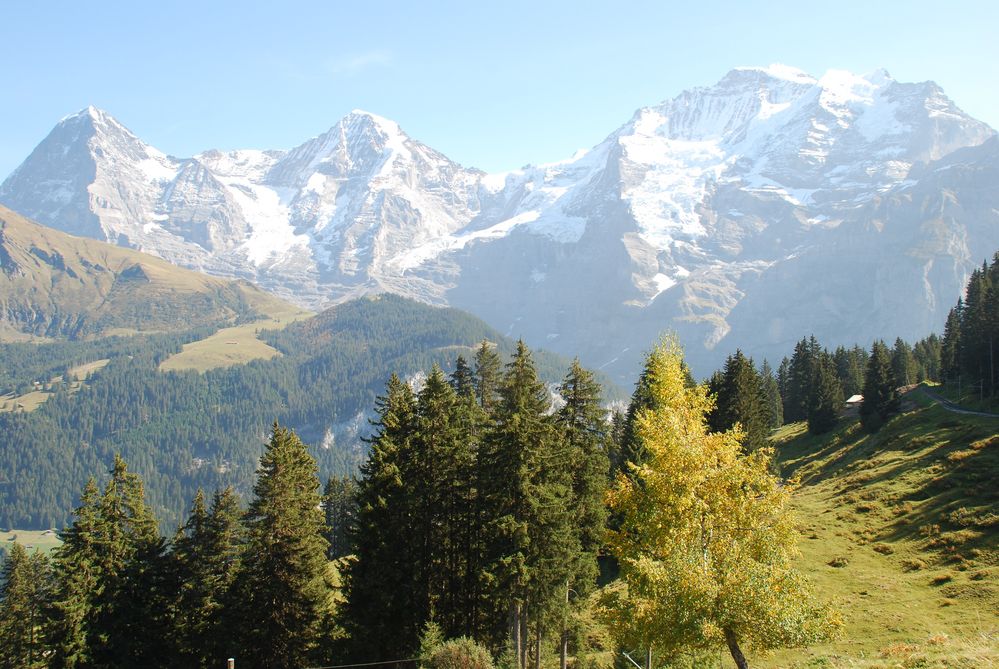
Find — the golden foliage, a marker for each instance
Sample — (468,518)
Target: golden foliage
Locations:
(706,541)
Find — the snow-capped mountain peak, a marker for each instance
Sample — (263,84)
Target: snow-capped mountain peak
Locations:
(780,71)
(675,219)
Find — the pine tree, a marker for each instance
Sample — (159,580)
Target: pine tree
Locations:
(975,336)
(630,451)
(950,349)
(740,401)
(131,604)
(850,368)
(107,607)
(527,514)
(903,363)
(880,389)
(206,560)
(773,405)
(463,378)
(379,579)
(339,511)
(783,383)
(581,423)
(707,544)
(826,397)
(24,591)
(436,489)
(927,355)
(70,624)
(488,372)
(799,380)
(991,327)
(283,567)
(473,422)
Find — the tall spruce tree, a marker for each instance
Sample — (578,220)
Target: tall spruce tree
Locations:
(950,349)
(976,337)
(130,605)
(880,389)
(206,555)
(282,576)
(851,364)
(488,375)
(437,490)
(473,422)
(740,400)
(70,627)
(339,511)
(927,355)
(903,363)
(377,582)
(585,431)
(826,397)
(773,405)
(527,512)
(24,590)
(630,452)
(799,380)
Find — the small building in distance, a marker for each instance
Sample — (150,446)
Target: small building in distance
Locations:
(852,405)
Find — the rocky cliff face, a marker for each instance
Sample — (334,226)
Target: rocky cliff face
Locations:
(746,214)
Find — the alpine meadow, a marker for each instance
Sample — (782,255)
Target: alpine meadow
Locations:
(720,389)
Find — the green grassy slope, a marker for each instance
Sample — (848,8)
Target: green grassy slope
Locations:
(56,285)
(901,530)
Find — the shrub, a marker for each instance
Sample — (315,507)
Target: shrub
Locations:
(898,650)
(884,549)
(838,562)
(460,653)
(941,579)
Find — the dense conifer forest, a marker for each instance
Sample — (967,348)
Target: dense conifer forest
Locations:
(183,430)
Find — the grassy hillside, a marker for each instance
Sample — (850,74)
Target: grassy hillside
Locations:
(56,285)
(901,530)
(31,400)
(43,540)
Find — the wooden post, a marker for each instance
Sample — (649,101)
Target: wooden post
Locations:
(648,658)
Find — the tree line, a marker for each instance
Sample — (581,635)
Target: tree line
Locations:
(479,515)
(813,383)
(971,334)
(186,430)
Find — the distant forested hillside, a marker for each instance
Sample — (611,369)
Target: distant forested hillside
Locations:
(182,430)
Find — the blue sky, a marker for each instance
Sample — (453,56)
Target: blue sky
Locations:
(491,84)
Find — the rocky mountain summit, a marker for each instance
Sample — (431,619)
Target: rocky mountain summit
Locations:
(746,214)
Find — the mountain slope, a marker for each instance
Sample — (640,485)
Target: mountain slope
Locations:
(55,285)
(768,205)
(901,527)
(183,429)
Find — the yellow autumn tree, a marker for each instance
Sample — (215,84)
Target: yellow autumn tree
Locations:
(706,541)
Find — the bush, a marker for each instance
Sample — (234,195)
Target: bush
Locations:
(461,653)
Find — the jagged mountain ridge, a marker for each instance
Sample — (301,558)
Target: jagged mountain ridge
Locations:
(694,215)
